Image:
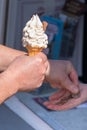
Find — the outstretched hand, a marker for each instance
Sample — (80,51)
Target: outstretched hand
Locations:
(54,100)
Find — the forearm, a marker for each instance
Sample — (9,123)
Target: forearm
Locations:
(7,55)
(8,87)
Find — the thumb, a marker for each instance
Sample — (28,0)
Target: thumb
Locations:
(69,85)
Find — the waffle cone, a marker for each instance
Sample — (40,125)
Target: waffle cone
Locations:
(45,24)
(32,51)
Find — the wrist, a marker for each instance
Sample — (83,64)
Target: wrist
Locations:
(8,55)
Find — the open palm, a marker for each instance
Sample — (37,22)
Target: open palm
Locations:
(54,99)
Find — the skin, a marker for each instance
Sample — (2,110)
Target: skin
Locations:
(61,74)
(7,56)
(23,72)
(20,73)
(71,103)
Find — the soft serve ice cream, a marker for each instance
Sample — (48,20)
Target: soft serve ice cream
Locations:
(34,35)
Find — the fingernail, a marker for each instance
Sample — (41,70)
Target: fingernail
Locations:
(75,90)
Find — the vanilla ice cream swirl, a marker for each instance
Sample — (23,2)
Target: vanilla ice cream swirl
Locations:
(33,33)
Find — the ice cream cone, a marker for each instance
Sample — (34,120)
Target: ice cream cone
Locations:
(32,51)
(34,37)
(44,25)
